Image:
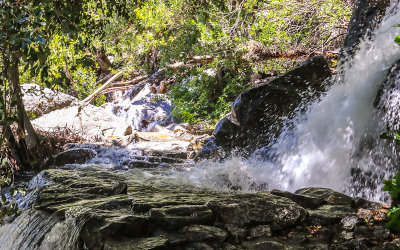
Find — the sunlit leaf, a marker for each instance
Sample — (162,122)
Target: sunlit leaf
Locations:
(397,40)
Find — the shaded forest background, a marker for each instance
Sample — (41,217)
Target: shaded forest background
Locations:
(209,50)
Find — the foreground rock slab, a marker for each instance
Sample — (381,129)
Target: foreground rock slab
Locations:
(95,209)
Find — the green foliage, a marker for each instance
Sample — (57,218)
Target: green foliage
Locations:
(397,40)
(393,188)
(149,35)
(152,34)
(224,30)
(205,93)
(394,222)
(67,55)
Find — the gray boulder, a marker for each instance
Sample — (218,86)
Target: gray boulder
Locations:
(72,156)
(141,108)
(91,123)
(40,101)
(258,114)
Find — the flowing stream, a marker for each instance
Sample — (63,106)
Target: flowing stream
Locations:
(336,143)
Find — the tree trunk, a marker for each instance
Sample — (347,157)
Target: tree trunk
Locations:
(12,144)
(24,124)
(147,59)
(154,59)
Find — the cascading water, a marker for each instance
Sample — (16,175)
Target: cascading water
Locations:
(336,143)
(27,231)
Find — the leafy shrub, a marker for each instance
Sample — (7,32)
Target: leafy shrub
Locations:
(205,93)
(392,186)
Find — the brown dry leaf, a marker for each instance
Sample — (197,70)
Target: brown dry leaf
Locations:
(378,215)
(313,229)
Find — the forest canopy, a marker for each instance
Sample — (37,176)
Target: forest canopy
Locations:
(243,39)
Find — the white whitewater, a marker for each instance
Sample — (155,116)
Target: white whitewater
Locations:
(331,143)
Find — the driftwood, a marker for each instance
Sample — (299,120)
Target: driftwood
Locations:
(110,87)
(95,94)
(105,79)
(201,59)
(130,82)
(122,86)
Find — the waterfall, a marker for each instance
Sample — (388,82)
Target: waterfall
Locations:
(27,230)
(35,229)
(336,143)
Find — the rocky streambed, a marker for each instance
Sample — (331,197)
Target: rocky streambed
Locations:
(121,190)
(93,208)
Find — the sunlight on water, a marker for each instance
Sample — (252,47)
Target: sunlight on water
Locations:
(330,141)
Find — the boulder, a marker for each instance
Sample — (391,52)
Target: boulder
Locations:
(260,231)
(175,217)
(328,214)
(266,244)
(210,150)
(245,210)
(72,156)
(258,114)
(151,243)
(199,233)
(91,123)
(305,201)
(40,101)
(71,186)
(349,222)
(141,108)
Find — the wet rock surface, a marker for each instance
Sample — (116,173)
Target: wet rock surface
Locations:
(71,156)
(257,112)
(125,210)
(366,16)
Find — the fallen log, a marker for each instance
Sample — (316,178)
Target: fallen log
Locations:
(95,94)
(104,79)
(130,82)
